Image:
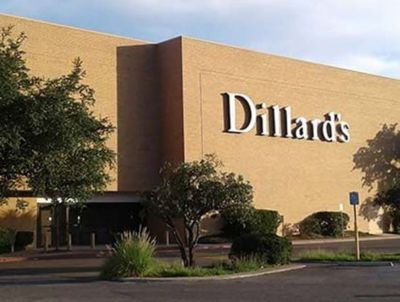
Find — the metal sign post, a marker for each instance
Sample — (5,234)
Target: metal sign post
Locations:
(354,201)
(341,218)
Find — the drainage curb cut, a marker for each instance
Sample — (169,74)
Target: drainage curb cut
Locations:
(282,269)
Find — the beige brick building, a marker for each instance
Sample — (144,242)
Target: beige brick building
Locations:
(169,101)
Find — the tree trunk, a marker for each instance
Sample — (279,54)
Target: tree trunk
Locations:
(191,256)
(184,257)
(181,247)
(194,234)
(179,241)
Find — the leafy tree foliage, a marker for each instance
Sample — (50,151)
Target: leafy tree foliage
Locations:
(191,190)
(15,88)
(50,140)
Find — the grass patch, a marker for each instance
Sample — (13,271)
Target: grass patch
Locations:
(347,234)
(162,269)
(345,256)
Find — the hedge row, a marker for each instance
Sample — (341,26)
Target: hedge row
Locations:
(256,221)
(331,224)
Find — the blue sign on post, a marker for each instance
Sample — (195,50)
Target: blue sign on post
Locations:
(354,200)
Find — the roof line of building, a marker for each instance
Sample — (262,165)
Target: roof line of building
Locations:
(287,58)
(73,27)
(202,40)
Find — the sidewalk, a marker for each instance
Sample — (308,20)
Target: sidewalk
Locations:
(350,239)
(100,251)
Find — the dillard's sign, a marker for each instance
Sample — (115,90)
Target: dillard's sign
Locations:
(269,121)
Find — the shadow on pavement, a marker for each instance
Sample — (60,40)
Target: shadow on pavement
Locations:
(45,270)
(47,281)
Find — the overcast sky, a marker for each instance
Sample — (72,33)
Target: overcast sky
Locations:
(363,35)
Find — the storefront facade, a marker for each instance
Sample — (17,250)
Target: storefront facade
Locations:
(290,127)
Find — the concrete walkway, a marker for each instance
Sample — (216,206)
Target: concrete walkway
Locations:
(350,239)
(170,251)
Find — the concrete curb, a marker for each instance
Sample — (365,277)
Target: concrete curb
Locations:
(284,268)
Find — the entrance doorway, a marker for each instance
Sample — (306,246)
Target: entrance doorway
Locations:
(105,220)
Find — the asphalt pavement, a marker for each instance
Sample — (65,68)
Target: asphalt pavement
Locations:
(76,279)
(314,283)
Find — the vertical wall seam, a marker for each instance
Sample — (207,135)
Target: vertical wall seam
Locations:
(182,100)
(201,117)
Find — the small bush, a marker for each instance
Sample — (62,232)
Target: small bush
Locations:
(396,221)
(23,239)
(269,248)
(132,256)
(7,240)
(256,221)
(324,224)
(310,226)
(265,222)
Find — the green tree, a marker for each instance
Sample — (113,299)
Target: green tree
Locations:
(57,145)
(15,88)
(189,191)
(70,158)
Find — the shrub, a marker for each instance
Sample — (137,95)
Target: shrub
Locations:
(396,221)
(132,256)
(269,248)
(265,222)
(324,224)
(7,240)
(256,221)
(310,226)
(23,239)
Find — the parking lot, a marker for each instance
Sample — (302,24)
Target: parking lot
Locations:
(314,283)
(76,279)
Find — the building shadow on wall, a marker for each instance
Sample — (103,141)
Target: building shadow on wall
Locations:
(379,161)
(138,117)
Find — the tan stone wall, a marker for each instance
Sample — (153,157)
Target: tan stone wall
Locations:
(19,219)
(170,72)
(50,50)
(166,101)
(26,217)
(295,177)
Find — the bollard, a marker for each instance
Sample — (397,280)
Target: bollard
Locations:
(46,243)
(69,243)
(92,240)
(167,238)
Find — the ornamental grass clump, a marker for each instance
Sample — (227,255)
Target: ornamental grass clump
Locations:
(132,256)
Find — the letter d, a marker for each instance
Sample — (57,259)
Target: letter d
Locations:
(249,109)
(328,128)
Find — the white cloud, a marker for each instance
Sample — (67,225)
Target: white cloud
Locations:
(370,64)
(356,34)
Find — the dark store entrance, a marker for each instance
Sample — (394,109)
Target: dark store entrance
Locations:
(105,220)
